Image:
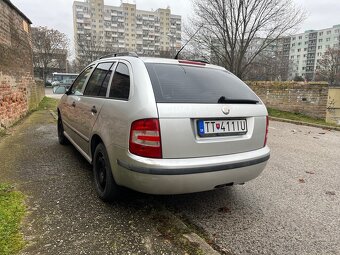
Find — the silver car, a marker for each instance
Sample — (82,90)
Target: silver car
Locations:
(164,126)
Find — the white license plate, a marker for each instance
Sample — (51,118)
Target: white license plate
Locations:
(222,127)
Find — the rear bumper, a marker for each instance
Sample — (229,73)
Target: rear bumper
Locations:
(178,176)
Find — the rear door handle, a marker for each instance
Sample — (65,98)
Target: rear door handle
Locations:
(74,104)
(93,109)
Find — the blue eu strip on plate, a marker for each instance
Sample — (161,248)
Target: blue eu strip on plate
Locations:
(201,127)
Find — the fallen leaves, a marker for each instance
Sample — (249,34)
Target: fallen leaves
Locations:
(224,210)
(302,181)
(309,172)
(331,193)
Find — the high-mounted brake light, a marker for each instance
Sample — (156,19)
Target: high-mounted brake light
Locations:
(145,138)
(266,136)
(188,62)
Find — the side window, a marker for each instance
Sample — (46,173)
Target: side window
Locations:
(97,84)
(79,83)
(120,87)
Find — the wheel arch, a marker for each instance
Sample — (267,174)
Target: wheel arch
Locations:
(95,140)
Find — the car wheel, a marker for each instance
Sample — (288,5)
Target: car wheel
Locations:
(61,137)
(106,186)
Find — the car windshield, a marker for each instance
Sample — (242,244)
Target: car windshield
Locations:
(191,84)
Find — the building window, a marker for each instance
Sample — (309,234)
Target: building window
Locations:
(320,33)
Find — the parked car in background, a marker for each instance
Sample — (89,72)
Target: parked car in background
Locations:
(60,89)
(164,126)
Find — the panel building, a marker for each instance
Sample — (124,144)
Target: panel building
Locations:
(307,49)
(100,29)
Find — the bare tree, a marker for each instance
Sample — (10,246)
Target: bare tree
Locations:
(329,66)
(89,50)
(49,49)
(237,31)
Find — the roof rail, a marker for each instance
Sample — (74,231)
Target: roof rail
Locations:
(119,54)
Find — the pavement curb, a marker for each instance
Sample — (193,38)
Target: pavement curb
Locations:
(304,123)
(185,235)
(202,244)
(53,114)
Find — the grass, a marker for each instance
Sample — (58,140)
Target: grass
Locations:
(2,132)
(48,104)
(12,209)
(298,117)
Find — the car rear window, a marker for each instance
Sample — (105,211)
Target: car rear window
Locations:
(190,84)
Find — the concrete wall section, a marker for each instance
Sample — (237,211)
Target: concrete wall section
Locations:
(306,98)
(333,105)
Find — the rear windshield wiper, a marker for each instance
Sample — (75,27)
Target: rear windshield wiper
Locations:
(224,100)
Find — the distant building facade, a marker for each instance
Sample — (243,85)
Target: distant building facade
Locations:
(307,48)
(99,29)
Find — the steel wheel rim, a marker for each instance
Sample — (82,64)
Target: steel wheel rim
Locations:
(101,171)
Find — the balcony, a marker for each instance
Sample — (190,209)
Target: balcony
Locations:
(107,18)
(120,30)
(87,16)
(80,21)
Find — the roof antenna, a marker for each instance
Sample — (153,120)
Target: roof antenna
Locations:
(176,57)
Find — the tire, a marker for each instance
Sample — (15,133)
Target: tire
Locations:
(106,187)
(61,137)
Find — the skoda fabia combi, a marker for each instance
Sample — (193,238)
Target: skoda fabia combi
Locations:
(164,126)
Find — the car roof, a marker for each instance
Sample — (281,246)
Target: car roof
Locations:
(161,61)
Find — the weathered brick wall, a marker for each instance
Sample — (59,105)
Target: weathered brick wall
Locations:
(307,98)
(18,91)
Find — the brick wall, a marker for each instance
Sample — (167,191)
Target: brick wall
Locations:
(307,98)
(19,93)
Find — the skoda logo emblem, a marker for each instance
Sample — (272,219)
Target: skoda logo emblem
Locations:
(225,110)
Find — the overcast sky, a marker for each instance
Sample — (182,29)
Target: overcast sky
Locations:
(57,14)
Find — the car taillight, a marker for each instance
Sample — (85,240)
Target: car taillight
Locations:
(145,138)
(266,136)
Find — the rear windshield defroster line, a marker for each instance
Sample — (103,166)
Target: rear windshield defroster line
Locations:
(190,84)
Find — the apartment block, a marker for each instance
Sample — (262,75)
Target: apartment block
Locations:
(306,50)
(100,29)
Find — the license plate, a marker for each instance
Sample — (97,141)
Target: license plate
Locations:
(222,127)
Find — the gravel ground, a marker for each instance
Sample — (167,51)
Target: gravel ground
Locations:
(64,214)
(292,208)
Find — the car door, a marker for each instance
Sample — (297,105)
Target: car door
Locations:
(89,105)
(69,107)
